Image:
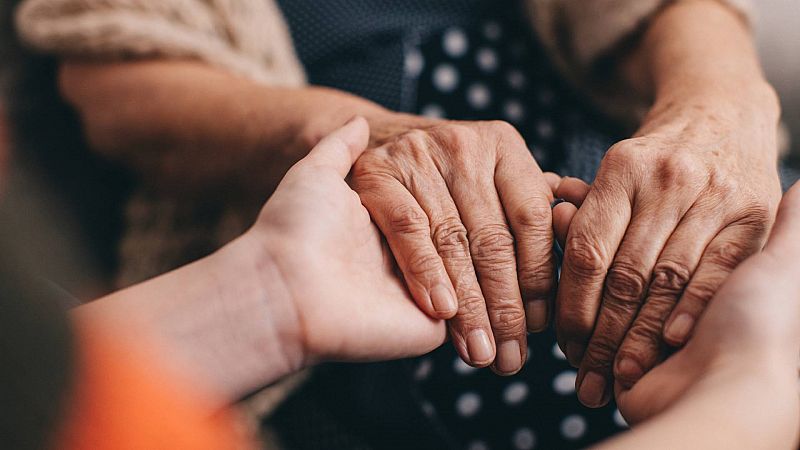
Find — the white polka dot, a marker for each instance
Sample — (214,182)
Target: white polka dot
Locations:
(564,383)
(573,427)
(461,367)
(445,78)
(478,96)
(423,370)
(492,30)
(619,420)
(428,409)
(433,111)
(514,111)
(524,439)
(468,404)
(414,63)
(486,59)
(515,393)
(455,42)
(516,79)
(477,445)
(544,128)
(558,353)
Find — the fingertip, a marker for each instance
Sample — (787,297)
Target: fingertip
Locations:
(563,213)
(573,190)
(340,149)
(443,302)
(553,180)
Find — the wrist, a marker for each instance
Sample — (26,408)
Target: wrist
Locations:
(275,337)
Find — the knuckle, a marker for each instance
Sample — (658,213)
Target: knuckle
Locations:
(450,238)
(625,286)
(507,316)
(455,136)
(422,263)
(600,353)
(584,259)
(537,279)
(625,152)
(669,278)
(533,215)
(727,254)
(471,305)
(408,219)
(493,246)
(701,291)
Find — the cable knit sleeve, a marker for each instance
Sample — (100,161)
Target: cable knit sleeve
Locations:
(246,37)
(578,33)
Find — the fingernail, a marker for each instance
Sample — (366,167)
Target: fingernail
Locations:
(480,348)
(592,390)
(679,329)
(442,299)
(508,359)
(574,353)
(536,315)
(629,370)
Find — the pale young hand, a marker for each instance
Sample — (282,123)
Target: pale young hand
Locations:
(349,302)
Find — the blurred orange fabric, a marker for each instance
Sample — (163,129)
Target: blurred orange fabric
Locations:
(120,400)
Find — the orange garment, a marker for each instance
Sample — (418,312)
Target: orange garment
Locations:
(120,400)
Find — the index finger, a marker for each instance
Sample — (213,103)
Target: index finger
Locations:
(594,237)
(526,197)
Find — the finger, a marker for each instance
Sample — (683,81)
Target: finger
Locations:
(724,253)
(491,246)
(470,328)
(625,286)
(340,149)
(526,203)
(573,190)
(644,346)
(408,234)
(553,180)
(594,236)
(563,213)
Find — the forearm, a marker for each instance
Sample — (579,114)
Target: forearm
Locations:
(699,54)
(225,324)
(188,126)
(738,408)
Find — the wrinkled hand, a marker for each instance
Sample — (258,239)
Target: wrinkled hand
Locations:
(671,213)
(466,212)
(752,326)
(348,301)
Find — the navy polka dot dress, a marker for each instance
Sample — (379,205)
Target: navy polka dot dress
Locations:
(469,60)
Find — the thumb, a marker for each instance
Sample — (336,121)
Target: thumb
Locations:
(340,149)
(784,241)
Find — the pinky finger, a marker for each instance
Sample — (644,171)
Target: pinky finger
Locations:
(723,254)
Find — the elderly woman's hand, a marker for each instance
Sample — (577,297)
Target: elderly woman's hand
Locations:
(671,213)
(466,212)
(747,341)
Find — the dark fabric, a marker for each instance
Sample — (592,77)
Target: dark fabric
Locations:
(460,60)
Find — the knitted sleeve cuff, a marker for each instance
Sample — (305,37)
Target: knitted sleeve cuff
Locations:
(191,29)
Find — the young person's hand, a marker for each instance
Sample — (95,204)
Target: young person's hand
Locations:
(348,301)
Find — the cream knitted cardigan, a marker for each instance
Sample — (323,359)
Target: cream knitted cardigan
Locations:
(251,39)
